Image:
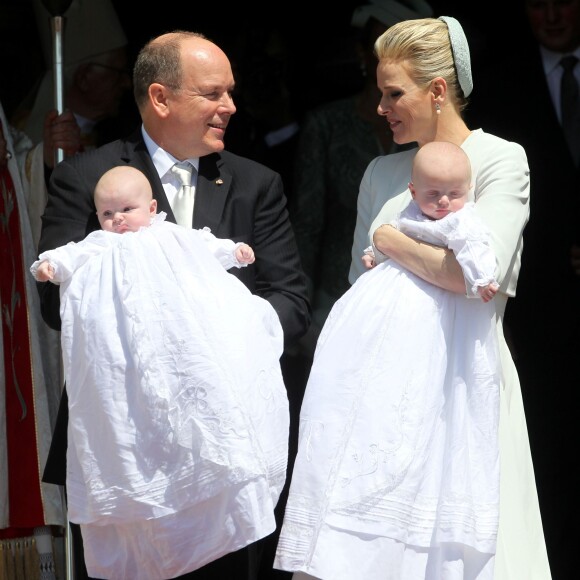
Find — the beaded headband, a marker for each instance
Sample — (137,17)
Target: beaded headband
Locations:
(460,50)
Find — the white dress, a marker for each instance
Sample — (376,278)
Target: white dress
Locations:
(501,193)
(399,423)
(178,415)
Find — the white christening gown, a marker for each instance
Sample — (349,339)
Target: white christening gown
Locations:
(397,472)
(178,415)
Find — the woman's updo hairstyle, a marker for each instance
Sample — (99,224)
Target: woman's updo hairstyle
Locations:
(425,46)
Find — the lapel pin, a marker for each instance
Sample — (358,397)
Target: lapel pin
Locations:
(219,181)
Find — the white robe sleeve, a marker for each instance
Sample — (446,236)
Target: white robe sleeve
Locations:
(463,233)
(223,249)
(66,259)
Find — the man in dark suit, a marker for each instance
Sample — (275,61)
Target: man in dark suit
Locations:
(183,86)
(521,102)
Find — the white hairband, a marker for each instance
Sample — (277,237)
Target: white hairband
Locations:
(460,50)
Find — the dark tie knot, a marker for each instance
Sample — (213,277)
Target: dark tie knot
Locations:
(568,62)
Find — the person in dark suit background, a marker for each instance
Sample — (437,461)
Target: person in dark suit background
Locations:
(522,103)
(183,86)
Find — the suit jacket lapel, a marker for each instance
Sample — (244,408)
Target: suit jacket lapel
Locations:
(213,185)
(137,156)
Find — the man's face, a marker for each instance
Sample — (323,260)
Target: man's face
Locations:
(555,23)
(103,84)
(198,112)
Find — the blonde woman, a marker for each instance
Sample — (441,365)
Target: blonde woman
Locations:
(424,76)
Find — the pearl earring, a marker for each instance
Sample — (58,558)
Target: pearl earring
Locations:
(438,108)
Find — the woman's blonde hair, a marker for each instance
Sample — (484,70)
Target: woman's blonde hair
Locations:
(424,44)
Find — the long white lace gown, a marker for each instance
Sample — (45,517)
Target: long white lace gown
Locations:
(398,454)
(178,426)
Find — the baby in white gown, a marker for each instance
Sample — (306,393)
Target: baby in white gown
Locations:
(398,460)
(178,415)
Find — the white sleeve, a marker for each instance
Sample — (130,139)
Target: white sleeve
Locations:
(364,218)
(223,249)
(463,233)
(384,193)
(66,259)
(470,242)
(502,188)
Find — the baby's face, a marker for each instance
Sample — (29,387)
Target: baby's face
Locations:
(121,212)
(439,191)
(438,201)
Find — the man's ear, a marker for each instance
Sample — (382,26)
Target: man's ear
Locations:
(158,96)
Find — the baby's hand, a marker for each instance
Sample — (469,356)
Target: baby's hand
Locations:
(45,272)
(368,261)
(488,292)
(245,254)
(368,258)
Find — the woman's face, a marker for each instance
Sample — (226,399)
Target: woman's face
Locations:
(409,109)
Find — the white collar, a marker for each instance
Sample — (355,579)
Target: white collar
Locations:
(162,160)
(551,59)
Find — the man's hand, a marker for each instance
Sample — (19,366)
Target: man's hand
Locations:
(60,132)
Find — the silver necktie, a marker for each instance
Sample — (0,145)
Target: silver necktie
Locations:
(183,202)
